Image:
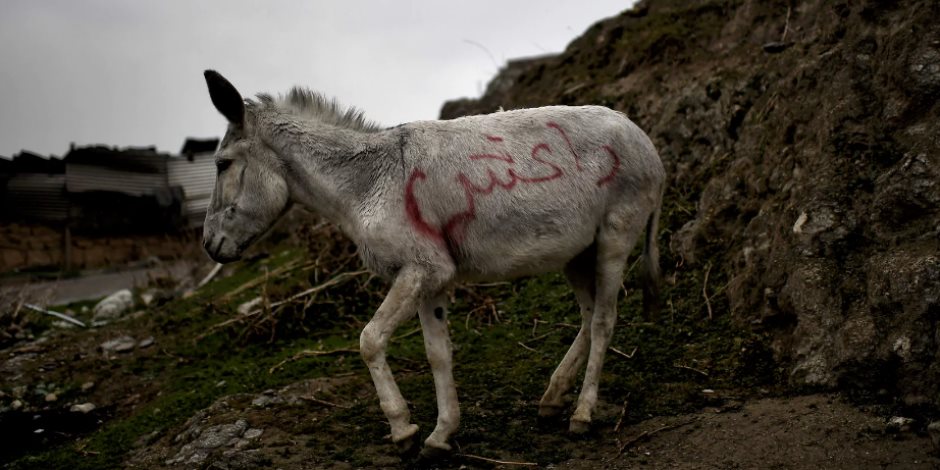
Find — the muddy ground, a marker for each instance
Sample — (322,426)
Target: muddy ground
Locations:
(218,389)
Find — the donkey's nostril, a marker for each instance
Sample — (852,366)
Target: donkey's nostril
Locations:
(218,247)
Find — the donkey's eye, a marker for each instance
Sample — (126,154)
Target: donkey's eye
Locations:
(222,164)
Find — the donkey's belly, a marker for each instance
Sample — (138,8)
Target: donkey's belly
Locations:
(502,249)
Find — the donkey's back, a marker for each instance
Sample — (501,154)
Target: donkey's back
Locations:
(525,191)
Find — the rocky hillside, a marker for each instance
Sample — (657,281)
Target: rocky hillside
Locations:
(801,142)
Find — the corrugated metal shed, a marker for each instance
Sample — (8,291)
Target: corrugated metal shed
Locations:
(107,188)
(36,197)
(135,172)
(196,176)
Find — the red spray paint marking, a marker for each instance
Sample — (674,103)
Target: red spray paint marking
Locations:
(414,212)
(614,168)
(535,156)
(454,228)
(577,158)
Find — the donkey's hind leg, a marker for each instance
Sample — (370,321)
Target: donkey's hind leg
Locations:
(615,240)
(433,315)
(580,274)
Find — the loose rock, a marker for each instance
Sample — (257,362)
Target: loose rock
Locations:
(934,430)
(900,424)
(209,439)
(147,297)
(113,306)
(83,408)
(120,344)
(265,400)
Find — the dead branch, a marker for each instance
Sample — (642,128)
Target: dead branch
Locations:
(55,314)
(311,353)
(680,366)
(260,279)
(623,413)
(490,284)
(488,303)
(323,402)
(708,303)
(541,336)
(222,325)
(268,305)
(338,279)
(498,462)
(628,356)
(647,434)
(520,343)
(210,276)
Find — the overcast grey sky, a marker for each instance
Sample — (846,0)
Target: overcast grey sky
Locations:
(124,72)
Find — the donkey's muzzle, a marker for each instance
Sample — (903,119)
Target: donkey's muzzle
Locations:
(221,249)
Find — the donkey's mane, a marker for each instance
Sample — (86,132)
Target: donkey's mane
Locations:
(312,105)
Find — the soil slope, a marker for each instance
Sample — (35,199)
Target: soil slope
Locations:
(801,140)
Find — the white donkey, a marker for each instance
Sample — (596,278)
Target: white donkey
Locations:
(433,203)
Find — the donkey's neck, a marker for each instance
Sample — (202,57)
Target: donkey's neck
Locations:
(332,171)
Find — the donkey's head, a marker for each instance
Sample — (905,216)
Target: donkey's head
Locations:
(250,190)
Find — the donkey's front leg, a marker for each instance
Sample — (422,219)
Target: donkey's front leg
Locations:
(438,346)
(400,304)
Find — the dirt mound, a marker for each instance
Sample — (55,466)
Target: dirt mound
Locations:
(800,139)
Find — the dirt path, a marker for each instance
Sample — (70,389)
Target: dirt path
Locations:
(96,284)
(807,432)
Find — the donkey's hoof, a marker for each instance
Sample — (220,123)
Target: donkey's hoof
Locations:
(579,427)
(407,442)
(431,453)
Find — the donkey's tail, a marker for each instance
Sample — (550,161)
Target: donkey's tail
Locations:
(651,274)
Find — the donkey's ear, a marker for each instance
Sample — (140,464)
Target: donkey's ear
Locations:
(225,97)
